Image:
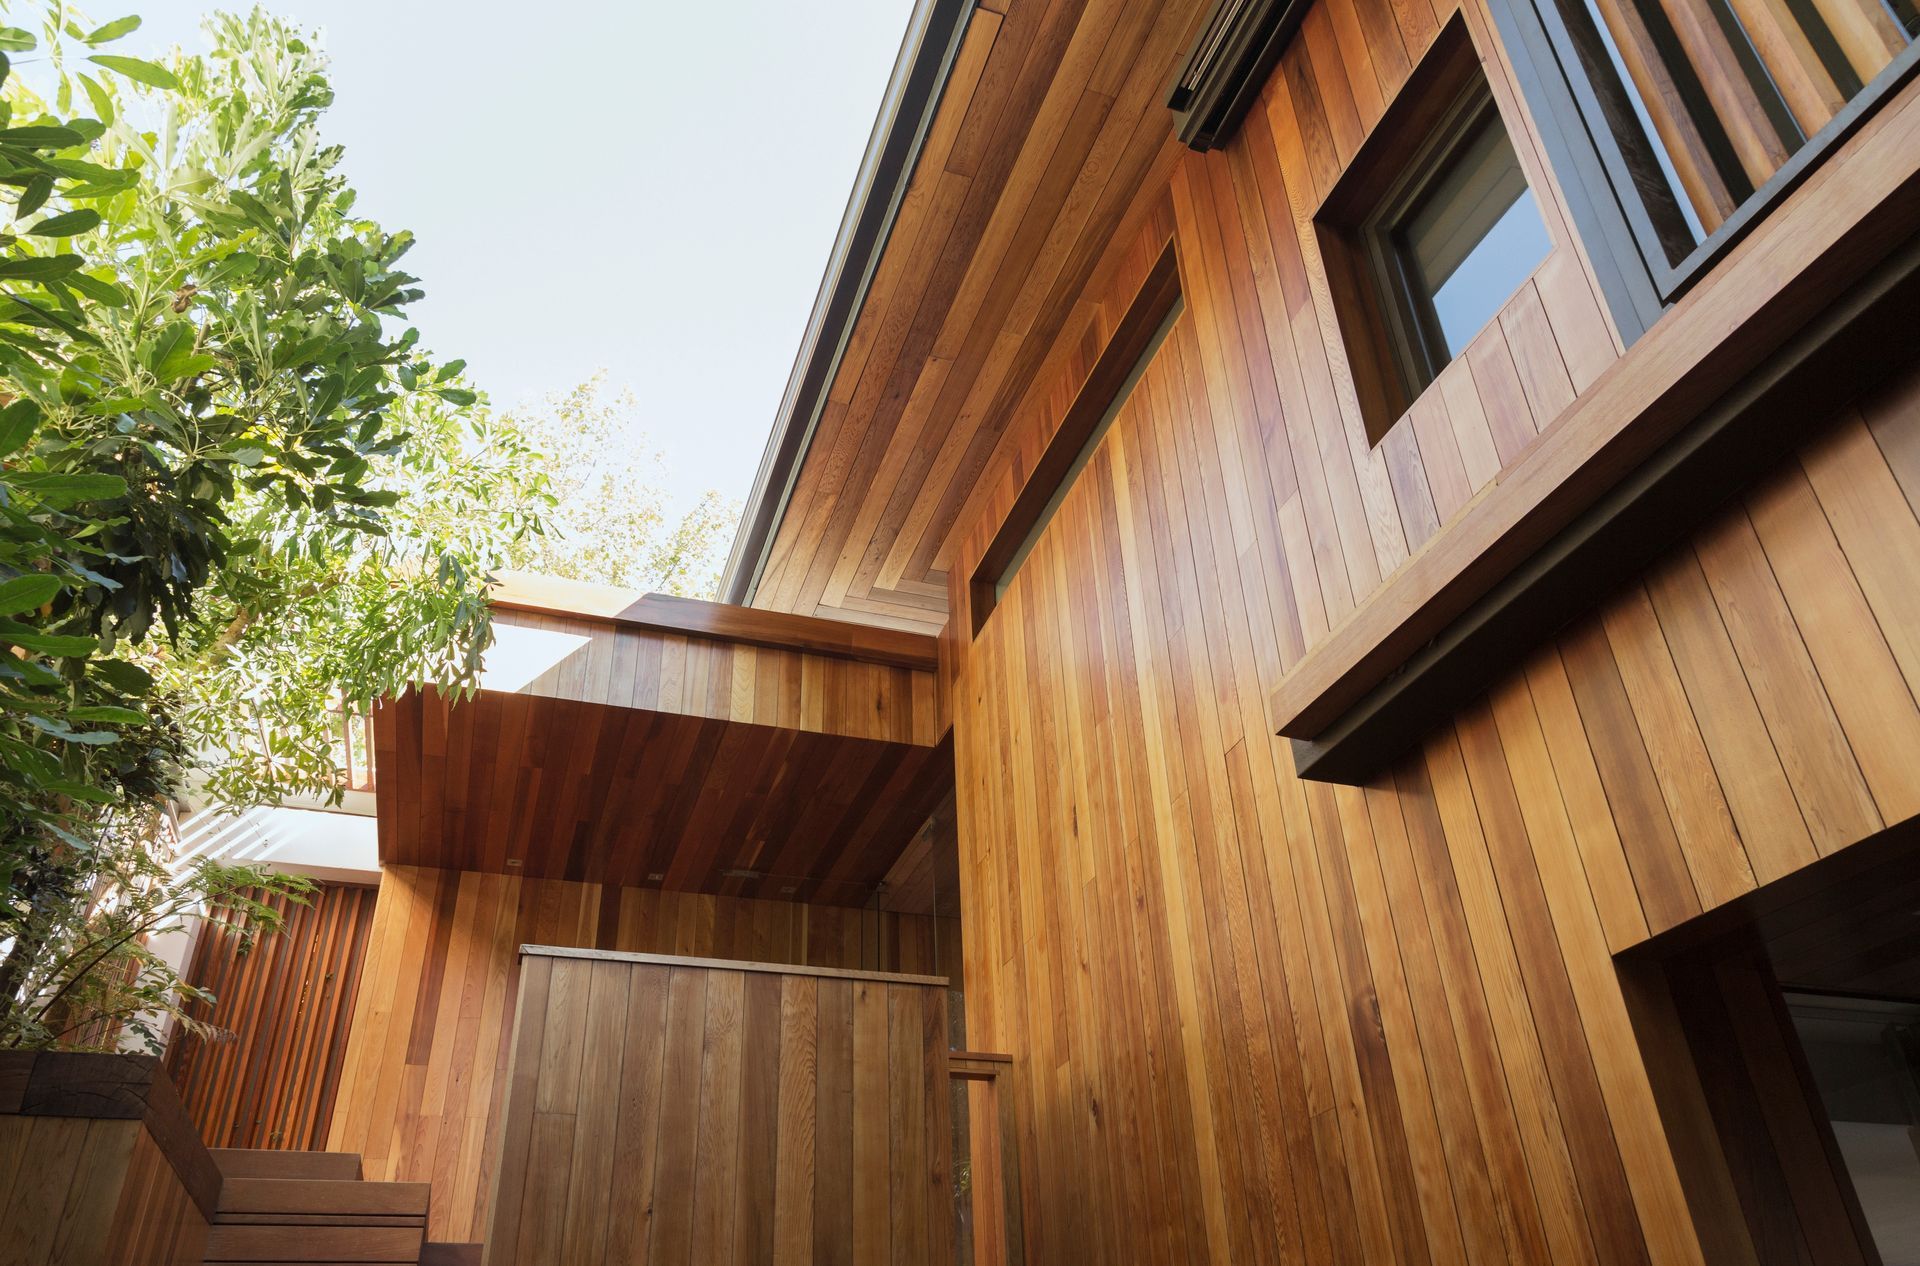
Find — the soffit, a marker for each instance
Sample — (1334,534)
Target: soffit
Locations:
(1052,120)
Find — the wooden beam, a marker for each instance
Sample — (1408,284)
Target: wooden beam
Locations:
(716,621)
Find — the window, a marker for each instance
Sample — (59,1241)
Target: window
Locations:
(1429,233)
(1467,240)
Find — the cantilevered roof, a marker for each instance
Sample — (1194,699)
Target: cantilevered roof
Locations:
(661,742)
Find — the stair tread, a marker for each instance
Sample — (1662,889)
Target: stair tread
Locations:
(441,1253)
(247,1162)
(227,1243)
(323,1195)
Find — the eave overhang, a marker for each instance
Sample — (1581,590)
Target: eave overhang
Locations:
(912,98)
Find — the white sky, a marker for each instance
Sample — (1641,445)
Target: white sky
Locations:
(646,186)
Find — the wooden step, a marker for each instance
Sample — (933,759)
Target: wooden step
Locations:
(450,1254)
(313,1244)
(260,1199)
(248,1162)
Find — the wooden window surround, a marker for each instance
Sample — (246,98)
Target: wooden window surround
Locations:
(1100,395)
(1723,1006)
(1409,167)
(1718,389)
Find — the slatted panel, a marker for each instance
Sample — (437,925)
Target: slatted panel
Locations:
(427,1061)
(1284,1020)
(683,1113)
(923,431)
(287,1005)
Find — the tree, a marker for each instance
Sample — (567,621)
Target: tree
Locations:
(609,523)
(231,490)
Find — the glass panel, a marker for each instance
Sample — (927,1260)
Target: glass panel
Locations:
(1474,237)
(1865,1058)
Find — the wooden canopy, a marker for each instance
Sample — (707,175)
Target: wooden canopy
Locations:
(674,744)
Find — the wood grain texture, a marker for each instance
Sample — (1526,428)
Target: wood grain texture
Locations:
(99,1166)
(527,593)
(730,1071)
(639,757)
(1853,211)
(432,1041)
(1291,1021)
(980,316)
(665,668)
(285,1007)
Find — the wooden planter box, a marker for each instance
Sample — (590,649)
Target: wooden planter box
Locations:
(99,1163)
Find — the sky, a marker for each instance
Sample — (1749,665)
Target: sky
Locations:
(644,187)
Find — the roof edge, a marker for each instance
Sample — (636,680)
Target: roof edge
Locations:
(893,149)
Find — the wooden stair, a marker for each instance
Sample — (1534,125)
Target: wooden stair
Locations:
(312,1208)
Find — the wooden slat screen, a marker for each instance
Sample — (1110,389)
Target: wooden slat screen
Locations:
(1733,88)
(679,1112)
(288,1003)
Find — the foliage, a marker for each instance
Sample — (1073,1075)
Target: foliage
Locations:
(610,521)
(96,984)
(231,490)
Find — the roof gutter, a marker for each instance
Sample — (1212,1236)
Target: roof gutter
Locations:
(913,95)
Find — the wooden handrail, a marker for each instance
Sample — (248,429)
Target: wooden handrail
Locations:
(728,964)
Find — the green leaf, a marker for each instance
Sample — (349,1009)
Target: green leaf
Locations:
(15,40)
(456,395)
(184,364)
(61,730)
(34,195)
(67,224)
(128,679)
(18,421)
(104,292)
(50,643)
(41,136)
(101,98)
(66,489)
(79,791)
(113,30)
(107,715)
(140,71)
(27,593)
(39,268)
(118,404)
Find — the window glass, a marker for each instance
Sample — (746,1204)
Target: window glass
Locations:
(1472,238)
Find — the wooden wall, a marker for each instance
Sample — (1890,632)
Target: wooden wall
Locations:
(99,1166)
(680,1112)
(286,1007)
(78,1192)
(425,1065)
(1268,1020)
